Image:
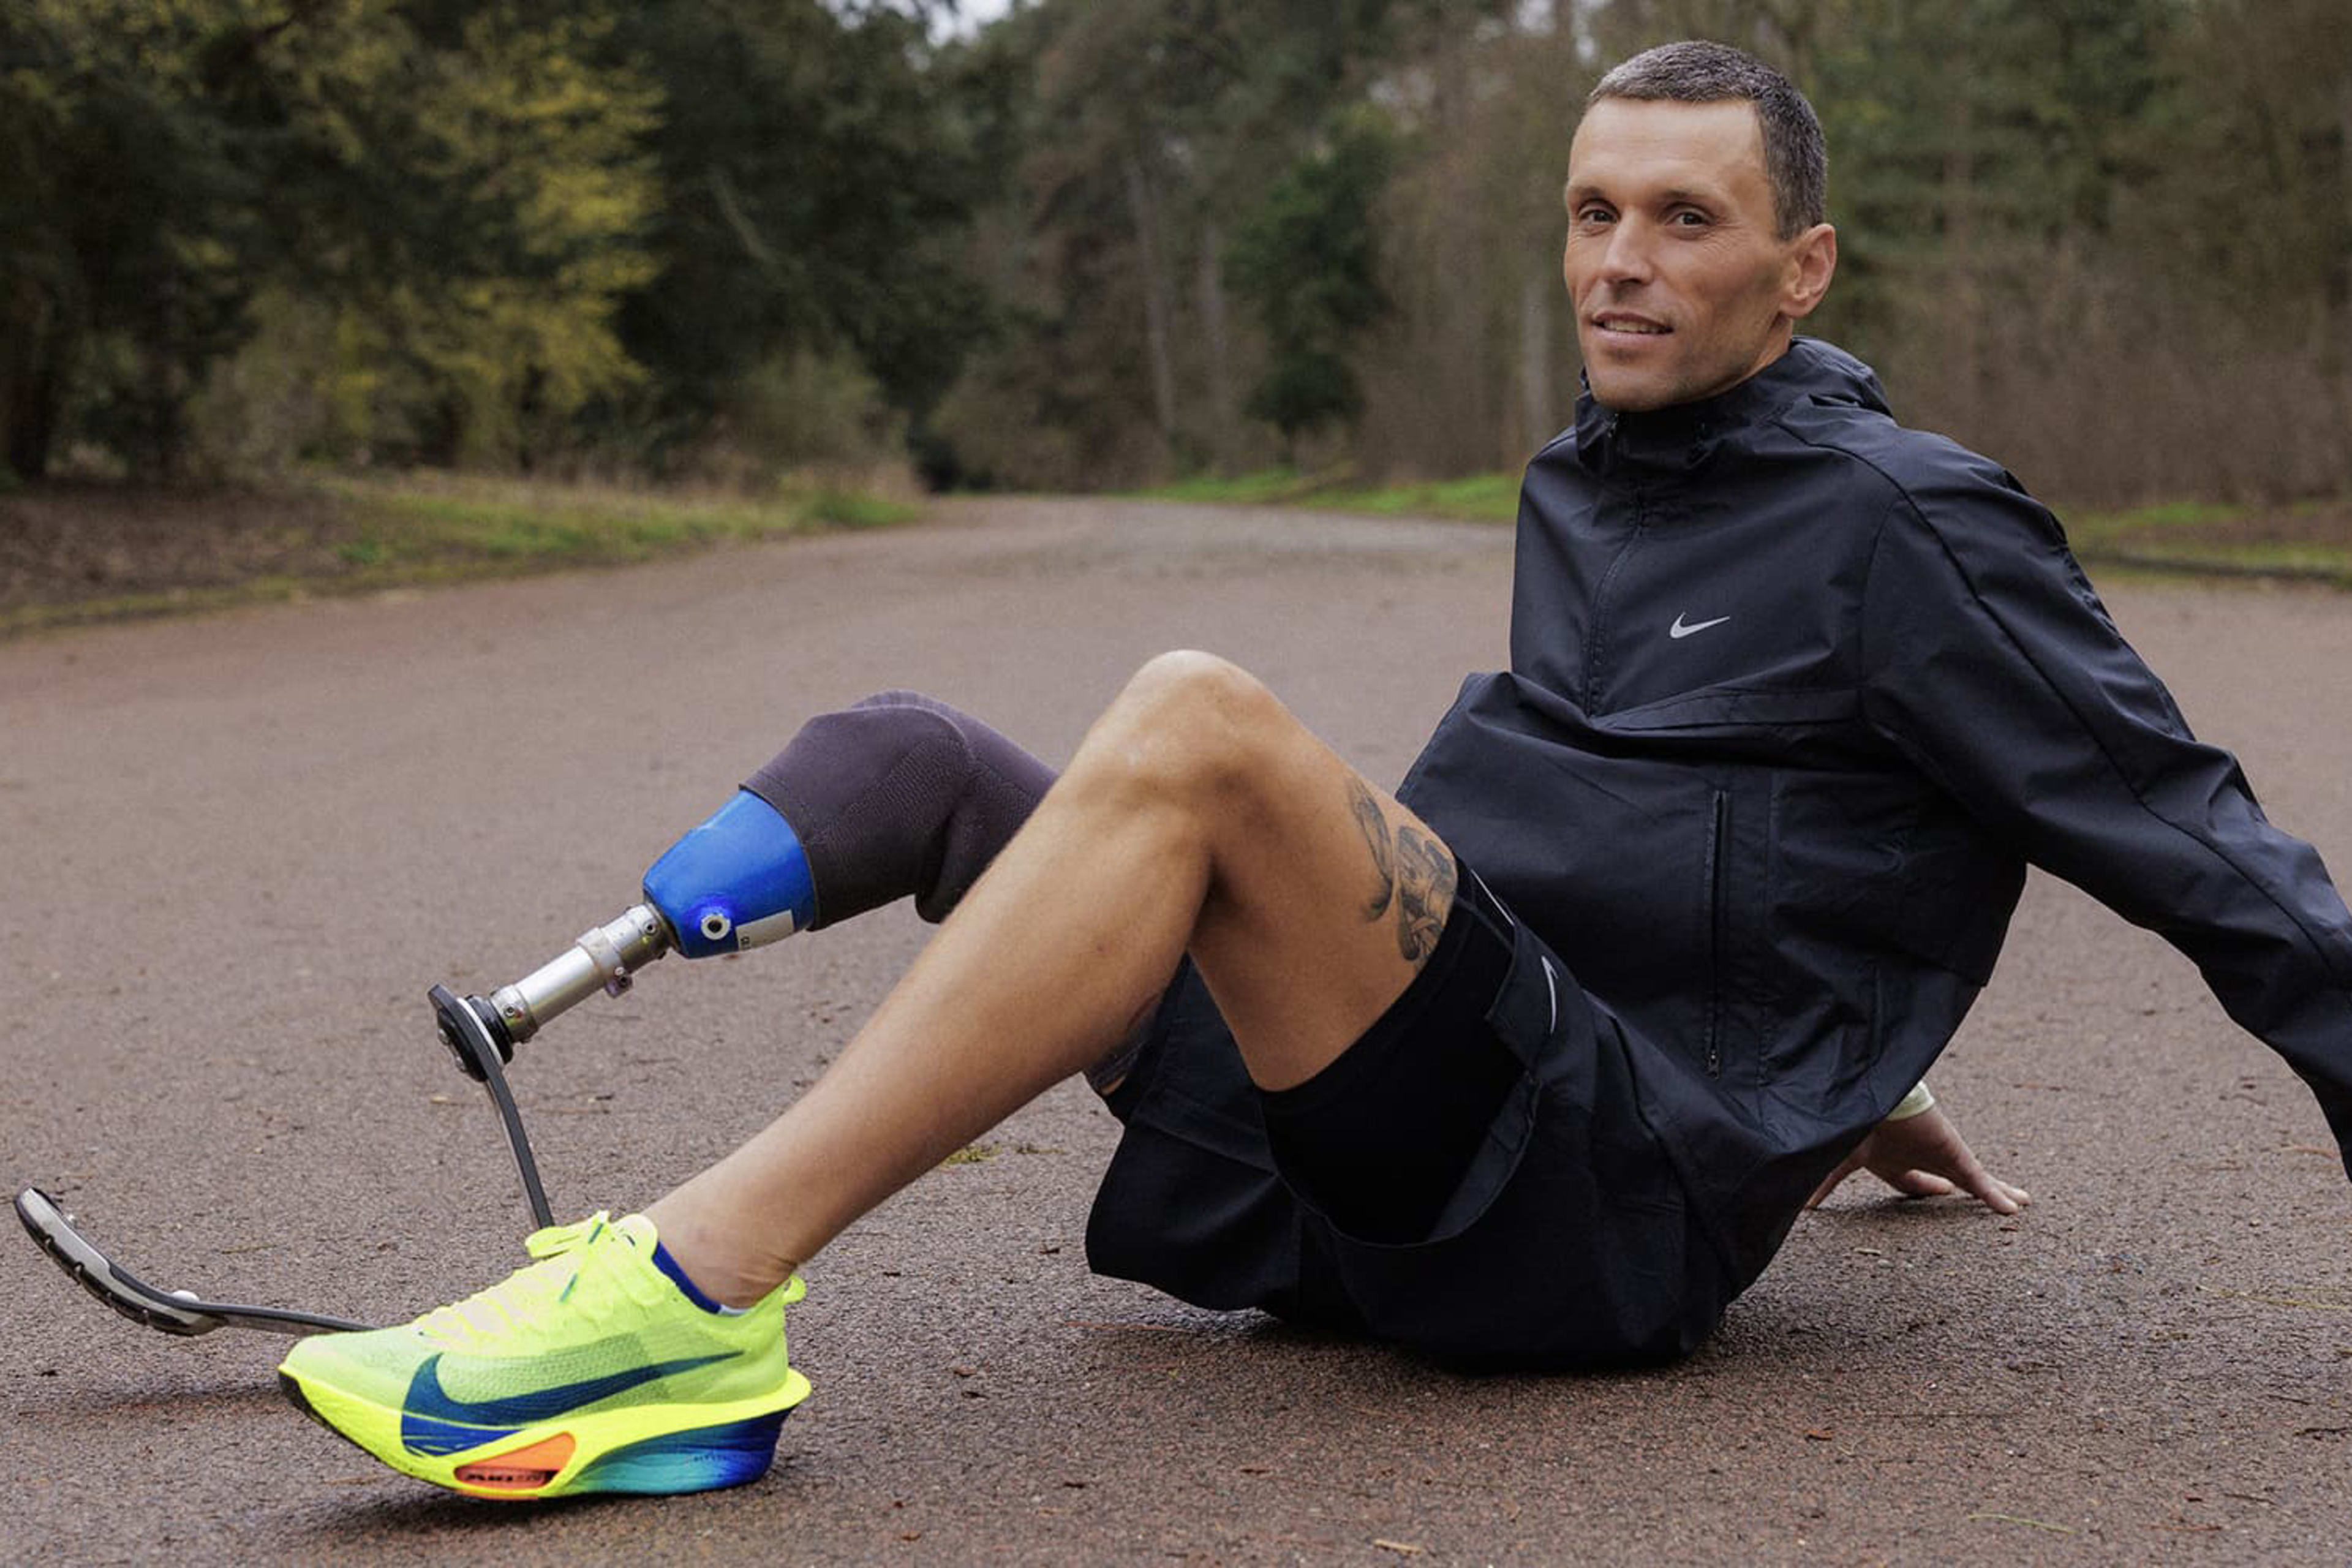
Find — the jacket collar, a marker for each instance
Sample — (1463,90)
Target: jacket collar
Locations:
(1681,436)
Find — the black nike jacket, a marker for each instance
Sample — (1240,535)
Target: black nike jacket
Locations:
(1795,695)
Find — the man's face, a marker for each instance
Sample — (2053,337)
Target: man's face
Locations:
(1680,286)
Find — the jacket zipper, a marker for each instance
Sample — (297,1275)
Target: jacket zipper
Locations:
(1718,861)
(1594,633)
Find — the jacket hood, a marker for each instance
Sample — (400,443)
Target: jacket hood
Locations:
(1812,370)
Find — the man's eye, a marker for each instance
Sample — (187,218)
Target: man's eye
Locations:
(1686,218)
(1593,215)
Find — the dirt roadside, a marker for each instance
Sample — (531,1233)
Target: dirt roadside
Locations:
(80,554)
(89,545)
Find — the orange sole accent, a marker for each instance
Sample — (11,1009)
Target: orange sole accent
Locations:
(522,1470)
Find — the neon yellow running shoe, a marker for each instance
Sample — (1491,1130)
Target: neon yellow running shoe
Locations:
(588,1371)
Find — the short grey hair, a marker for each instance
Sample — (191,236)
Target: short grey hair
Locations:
(1796,156)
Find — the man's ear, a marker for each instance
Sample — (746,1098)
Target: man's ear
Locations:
(1812,264)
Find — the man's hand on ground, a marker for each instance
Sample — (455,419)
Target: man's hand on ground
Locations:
(1922,1157)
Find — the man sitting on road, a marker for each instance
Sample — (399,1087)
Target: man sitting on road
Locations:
(1534,1063)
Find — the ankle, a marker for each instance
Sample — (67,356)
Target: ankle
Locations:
(714,1258)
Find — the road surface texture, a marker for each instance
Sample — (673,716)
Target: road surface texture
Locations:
(238,850)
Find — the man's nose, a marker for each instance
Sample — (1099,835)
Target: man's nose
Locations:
(1627,258)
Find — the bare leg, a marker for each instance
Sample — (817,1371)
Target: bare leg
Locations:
(1198,814)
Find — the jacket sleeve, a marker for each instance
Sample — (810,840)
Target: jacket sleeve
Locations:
(1993,666)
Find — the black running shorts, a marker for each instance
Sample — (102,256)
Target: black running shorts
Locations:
(1471,1178)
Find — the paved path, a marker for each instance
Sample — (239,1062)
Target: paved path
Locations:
(235,852)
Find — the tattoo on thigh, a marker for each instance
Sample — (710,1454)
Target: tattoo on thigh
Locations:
(1425,879)
(1374,825)
(1410,869)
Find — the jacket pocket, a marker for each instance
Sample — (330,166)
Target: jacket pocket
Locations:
(1718,871)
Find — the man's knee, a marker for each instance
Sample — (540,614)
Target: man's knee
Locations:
(1192,724)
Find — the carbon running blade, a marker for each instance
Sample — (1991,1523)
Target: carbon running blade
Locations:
(464,1031)
(166,1311)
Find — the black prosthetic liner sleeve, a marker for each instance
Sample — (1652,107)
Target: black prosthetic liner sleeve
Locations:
(899,795)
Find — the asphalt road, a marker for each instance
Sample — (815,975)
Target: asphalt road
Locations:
(235,852)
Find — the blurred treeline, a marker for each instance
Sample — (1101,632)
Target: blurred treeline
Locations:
(1104,242)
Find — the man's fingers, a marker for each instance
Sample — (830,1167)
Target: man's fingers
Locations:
(1851,1163)
(1999,1196)
(1985,1187)
(1947,1168)
(1921,1185)
(1996,1197)
(1924,1157)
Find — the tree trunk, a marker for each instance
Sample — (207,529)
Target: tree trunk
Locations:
(1470,401)
(1143,208)
(1539,404)
(2344,258)
(1961,322)
(32,389)
(1225,407)
(162,347)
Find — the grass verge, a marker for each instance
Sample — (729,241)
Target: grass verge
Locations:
(2310,542)
(441,526)
(102,554)
(1478,498)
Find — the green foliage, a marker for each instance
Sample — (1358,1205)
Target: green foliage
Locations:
(2256,101)
(1108,240)
(454,194)
(128,209)
(1142,136)
(804,411)
(813,181)
(1308,260)
(463,233)
(462,196)
(1970,138)
(272,403)
(541,143)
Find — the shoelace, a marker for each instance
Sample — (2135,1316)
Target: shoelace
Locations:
(561,1251)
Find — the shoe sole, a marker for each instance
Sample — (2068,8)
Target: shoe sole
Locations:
(612,1451)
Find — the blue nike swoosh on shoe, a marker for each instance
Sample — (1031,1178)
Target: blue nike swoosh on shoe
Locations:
(431,1405)
(439,1439)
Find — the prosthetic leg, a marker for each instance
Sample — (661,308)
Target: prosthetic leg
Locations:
(739,880)
(897,796)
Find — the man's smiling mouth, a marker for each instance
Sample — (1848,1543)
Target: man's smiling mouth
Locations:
(1635,325)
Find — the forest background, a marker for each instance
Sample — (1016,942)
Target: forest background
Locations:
(1100,244)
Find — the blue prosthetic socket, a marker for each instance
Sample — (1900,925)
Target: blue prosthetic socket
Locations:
(739,880)
(899,795)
